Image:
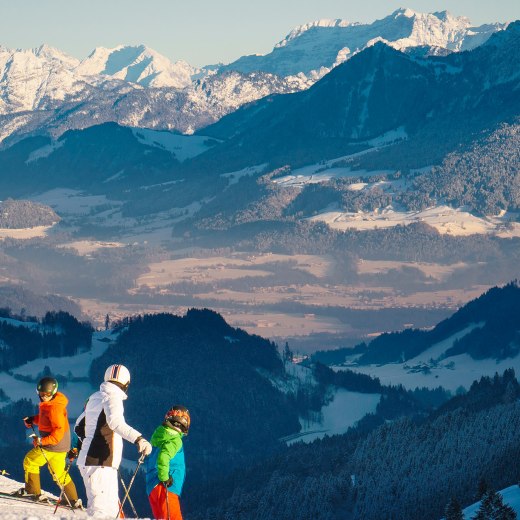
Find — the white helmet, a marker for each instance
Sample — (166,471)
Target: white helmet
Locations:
(118,374)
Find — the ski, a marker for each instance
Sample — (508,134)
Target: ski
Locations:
(51,502)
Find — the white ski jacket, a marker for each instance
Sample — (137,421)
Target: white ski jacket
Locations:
(104,428)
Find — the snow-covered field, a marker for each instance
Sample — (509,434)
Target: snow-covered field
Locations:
(238,265)
(25,233)
(72,202)
(17,510)
(182,146)
(344,411)
(446,220)
(436,271)
(86,247)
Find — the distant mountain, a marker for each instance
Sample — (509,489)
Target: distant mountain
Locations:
(43,90)
(324,44)
(139,65)
(378,91)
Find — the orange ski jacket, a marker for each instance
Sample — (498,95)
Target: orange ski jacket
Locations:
(53,423)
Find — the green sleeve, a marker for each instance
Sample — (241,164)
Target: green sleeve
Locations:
(167,451)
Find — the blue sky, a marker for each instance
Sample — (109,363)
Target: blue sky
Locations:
(202,31)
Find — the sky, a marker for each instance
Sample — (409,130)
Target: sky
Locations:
(202,32)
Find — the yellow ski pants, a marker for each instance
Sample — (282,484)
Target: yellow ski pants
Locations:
(34,460)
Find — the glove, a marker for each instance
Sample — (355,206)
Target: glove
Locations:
(28,421)
(167,483)
(72,454)
(143,446)
(36,441)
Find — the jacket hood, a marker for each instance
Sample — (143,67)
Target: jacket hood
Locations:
(109,388)
(58,399)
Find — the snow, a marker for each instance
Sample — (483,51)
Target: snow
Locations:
(446,220)
(450,373)
(24,233)
(510,496)
(72,202)
(137,64)
(87,247)
(398,134)
(16,509)
(44,151)
(234,177)
(317,45)
(182,146)
(344,411)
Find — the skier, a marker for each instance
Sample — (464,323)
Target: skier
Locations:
(102,428)
(165,468)
(52,446)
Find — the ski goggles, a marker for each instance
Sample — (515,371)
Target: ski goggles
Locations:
(44,394)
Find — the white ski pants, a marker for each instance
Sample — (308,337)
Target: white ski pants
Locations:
(102,491)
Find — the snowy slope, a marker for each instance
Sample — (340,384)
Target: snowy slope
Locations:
(430,370)
(14,509)
(344,411)
(510,496)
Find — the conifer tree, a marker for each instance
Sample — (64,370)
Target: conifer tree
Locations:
(454,510)
(482,488)
(493,508)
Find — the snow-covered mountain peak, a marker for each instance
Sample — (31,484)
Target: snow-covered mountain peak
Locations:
(137,64)
(300,29)
(404,11)
(323,44)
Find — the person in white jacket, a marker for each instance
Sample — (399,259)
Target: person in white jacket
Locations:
(101,429)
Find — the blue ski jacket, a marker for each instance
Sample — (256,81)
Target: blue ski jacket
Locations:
(167,458)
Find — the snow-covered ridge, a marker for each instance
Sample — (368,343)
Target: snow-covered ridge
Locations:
(323,44)
(300,29)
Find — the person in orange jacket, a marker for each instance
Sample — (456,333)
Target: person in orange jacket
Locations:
(52,446)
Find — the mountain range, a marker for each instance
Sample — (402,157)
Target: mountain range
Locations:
(383,103)
(43,90)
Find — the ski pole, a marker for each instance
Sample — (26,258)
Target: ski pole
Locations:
(54,477)
(167,503)
(139,462)
(125,490)
(63,490)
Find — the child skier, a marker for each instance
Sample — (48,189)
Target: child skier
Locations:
(165,468)
(53,445)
